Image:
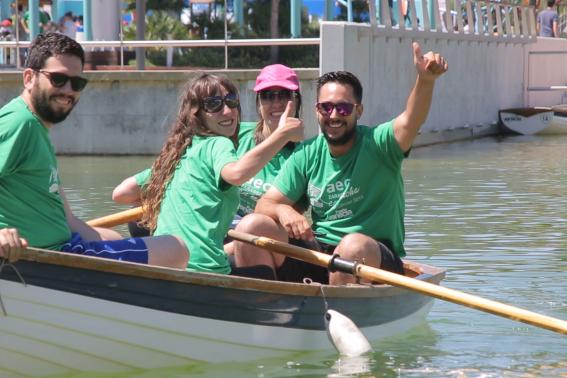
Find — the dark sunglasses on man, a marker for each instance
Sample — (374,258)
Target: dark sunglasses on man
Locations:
(343,108)
(58,80)
(214,104)
(281,94)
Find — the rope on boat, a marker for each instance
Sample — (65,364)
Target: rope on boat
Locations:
(12,255)
(4,263)
(324,298)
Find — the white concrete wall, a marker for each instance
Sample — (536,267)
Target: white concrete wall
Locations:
(485,75)
(546,66)
(130,112)
(106,20)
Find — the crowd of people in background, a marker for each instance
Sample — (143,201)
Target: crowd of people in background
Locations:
(548,24)
(68,25)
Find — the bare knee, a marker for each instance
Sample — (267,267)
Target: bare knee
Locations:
(359,247)
(356,247)
(229,248)
(179,254)
(249,255)
(167,250)
(262,225)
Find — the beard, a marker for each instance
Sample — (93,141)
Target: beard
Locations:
(343,139)
(41,104)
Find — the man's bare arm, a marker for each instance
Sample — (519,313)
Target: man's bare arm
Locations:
(280,208)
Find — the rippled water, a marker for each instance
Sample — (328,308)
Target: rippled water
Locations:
(493,212)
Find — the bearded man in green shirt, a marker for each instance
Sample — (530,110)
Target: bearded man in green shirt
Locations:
(33,208)
(352,177)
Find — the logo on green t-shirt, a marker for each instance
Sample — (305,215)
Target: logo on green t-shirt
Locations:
(54,180)
(340,191)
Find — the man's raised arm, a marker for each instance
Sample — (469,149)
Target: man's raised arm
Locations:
(429,67)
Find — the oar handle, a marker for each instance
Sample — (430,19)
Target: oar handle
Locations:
(462,298)
(122,217)
(426,288)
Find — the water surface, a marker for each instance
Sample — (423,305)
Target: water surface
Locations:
(493,212)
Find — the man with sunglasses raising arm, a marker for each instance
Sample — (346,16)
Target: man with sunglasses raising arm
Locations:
(33,208)
(352,177)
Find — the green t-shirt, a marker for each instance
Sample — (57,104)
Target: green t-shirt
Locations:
(43,20)
(143,177)
(198,205)
(29,182)
(361,191)
(251,190)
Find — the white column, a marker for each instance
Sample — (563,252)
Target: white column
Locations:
(106,20)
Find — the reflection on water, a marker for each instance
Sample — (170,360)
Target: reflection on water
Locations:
(492,212)
(352,366)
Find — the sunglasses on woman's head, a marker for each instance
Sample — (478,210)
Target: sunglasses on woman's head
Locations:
(282,94)
(58,80)
(214,104)
(343,108)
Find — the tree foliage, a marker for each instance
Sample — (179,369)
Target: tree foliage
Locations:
(160,25)
(360,12)
(164,24)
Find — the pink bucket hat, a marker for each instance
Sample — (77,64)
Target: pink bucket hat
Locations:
(277,75)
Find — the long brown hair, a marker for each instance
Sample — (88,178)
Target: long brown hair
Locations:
(188,123)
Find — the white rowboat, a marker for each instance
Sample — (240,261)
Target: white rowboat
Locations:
(538,120)
(83,314)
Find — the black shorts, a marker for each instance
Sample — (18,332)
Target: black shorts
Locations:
(293,270)
(137,231)
(263,272)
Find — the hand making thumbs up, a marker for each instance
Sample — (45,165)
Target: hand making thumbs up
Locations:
(292,127)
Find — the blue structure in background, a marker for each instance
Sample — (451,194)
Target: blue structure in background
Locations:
(64,6)
(5,11)
(318,7)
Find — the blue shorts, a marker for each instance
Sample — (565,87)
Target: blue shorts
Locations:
(133,249)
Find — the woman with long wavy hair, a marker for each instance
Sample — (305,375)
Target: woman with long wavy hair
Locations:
(275,86)
(193,190)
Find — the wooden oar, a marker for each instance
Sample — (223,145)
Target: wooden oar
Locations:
(122,217)
(371,274)
(375,274)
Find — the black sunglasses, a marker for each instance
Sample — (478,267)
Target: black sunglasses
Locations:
(272,95)
(343,108)
(58,80)
(214,104)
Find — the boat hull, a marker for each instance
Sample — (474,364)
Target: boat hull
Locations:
(558,124)
(67,319)
(526,121)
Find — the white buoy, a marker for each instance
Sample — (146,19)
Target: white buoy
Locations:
(345,335)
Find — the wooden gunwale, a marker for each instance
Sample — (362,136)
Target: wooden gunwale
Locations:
(428,273)
(526,112)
